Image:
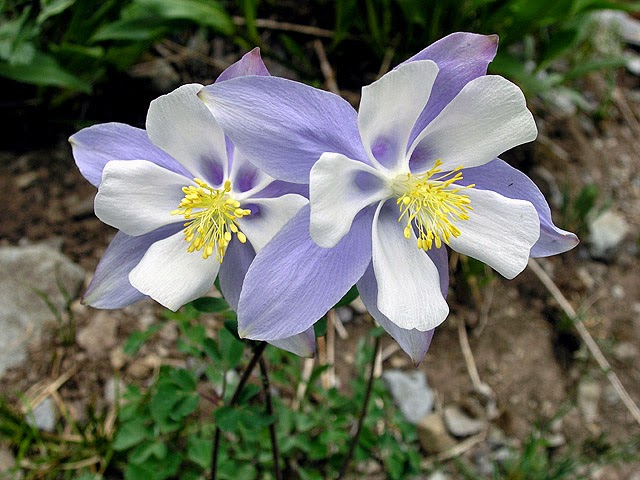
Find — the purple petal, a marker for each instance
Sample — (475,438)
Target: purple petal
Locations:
(461,57)
(234,267)
(283,126)
(414,342)
(250,64)
(110,287)
(94,146)
(440,258)
(500,177)
(302,344)
(293,282)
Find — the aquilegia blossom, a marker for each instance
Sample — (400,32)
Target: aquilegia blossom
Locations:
(414,170)
(187,204)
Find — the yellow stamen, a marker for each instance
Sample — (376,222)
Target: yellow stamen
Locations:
(432,205)
(210,227)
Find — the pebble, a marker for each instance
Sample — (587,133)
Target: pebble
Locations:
(114,388)
(589,393)
(617,292)
(433,434)
(345,314)
(99,335)
(606,234)
(43,417)
(410,392)
(438,475)
(117,358)
(625,351)
(459,423)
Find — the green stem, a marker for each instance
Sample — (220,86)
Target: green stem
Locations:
(257,353)
(363,412)
(272,426)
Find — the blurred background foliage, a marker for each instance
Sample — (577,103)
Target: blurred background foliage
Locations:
(74,45)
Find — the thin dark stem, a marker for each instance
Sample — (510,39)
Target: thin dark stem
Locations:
(354,441)
(257,353)
(272,426)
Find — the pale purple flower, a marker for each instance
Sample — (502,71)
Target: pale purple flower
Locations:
(413,170)
(188,205)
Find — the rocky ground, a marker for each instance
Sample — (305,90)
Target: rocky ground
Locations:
(525,366)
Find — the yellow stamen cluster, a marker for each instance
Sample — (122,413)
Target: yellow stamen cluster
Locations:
(211,215)
(432,204)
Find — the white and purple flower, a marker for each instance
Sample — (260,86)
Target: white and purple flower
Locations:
(188,205)
(414,170)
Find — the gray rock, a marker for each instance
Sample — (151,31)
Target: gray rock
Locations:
(460,424)
(43,417)
(606,234)
(410,392)
(24,271)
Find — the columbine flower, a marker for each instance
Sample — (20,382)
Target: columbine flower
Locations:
(187,204)
(414,170)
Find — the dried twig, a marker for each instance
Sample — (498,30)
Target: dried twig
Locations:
(456,450)
(478,385)
(286,27)
(325,68)
(331,348)
(307,370)
(586,337)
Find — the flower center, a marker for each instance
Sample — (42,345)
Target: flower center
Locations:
(211,215)
(432,204)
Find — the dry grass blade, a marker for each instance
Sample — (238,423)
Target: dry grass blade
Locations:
(287,27)
(586,337)
(325,67)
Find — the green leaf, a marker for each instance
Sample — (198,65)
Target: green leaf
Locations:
(203,12)
(185,407)
(211,349)
(199,451)
(184,379)
(210,304)
(231,349)
(130,434)
(50,8)
(135,341)
(320,327)
(44,70)
(145,450)
(228,418)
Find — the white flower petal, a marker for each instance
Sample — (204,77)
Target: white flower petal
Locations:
(487,117)
(389,109)
(408,283)
(181,125)
(137,196)
(500,231)
(272,214)
(171,275)
(338,189)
